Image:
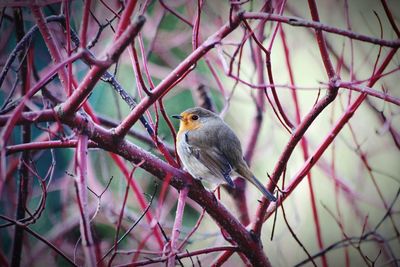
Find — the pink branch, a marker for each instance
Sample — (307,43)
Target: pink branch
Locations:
(176,230)
(50,42)
(133,184)
(44,145)
(369,91)
(79,96)
(196,26)
(313,159)
(184,255)
(165,85)
(158,143)
(136,69)
(295,21)
(176,14)
(18,110)
(286,122)
(196,226)
(300,131)
(215,75)
(125,18)
(368,167)
(24,106)
(104,138)
(321,41)
(12,120)
(259,99)
(390,17)
(82,198)
(139,195)
(286,153)
(121,214)
(69,47)
(85,22)
(303,142)
(222,258)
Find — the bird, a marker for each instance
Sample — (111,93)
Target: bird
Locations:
(210,150)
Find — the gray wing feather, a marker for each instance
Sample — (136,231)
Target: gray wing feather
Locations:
(209,156)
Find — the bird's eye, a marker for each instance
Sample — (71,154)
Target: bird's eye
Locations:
(195,117)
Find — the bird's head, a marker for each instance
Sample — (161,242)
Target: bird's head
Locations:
(194,118)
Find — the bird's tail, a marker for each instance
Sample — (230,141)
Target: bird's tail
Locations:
(263,190)
(246,173)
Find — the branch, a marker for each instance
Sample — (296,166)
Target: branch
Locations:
(82,198)
(85,23)
(246,241)
(175,75)
(369,91)
(38,236)
(176,230)
(23,44)
(299,22)
(86,86)
(183,255)
(23,177)
(125,18)
(346,116)
(11,120)
(287,152)
(43,145)
(131,227)
(50,42)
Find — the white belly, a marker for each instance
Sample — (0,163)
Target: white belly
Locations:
(193,166)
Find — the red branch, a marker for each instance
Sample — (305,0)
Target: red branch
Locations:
(176,230)
(85,23)
(295,21)
(82,199)
(310,162)
(250,246)
(12,120)
(287,152)
(50,42)
(24,106)
(45,145)
(125,18)
(81,93)
(166,84)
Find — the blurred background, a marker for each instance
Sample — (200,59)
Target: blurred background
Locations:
(355,184)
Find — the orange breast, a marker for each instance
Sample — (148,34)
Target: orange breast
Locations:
(187,125)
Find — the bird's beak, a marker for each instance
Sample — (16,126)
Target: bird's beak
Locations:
(179,117)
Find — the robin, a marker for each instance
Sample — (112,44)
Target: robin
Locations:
(211,151)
